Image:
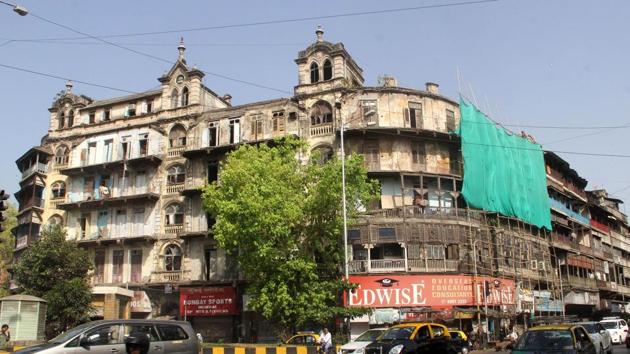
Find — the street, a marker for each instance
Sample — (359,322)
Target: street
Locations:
(617,349)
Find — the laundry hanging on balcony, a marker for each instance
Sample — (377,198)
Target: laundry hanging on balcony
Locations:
(503,172)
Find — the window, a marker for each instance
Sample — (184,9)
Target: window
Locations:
(435,251)
(172,258)
(118,258)
(371,154)
(108,150)
(278,122)
(71,119)
(452,252)
(99,266)
(147,329)
(106,335)
(136,265)
(213,137)
(418,154)
(257,127)
(149,105)
(328,71)
(174,215)
(61,155)
(107,114)
(92,117)
(455,164)
(84,225)
(55,220)
(438,331)
(314,72)
(211,263)
(213,171)
(143,144)
(354,234)
(423,333)
(131,110)
(61,121)
(185,97)
(414,115)
(176,174)
(370,113)
(321,113)
(177,136)
(174,98)
(171,332)
(235,131)
(58,190)
(450,120)
(387,233)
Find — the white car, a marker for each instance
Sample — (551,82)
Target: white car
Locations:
(617,328)
(600,336)
(357,346)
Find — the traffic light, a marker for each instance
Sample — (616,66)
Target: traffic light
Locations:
(3,206)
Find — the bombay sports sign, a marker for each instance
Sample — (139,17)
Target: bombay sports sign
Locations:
(429,290)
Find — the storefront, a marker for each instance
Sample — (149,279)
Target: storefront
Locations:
(581,303)
(212,311)
(448,298)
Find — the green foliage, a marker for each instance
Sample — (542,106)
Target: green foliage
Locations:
(56,270)
(282,219)
(6,247)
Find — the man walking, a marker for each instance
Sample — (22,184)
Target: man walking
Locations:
(5,336)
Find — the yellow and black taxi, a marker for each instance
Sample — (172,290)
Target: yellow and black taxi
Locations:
(417,337)
(560,339)
(304,338)
(460,340)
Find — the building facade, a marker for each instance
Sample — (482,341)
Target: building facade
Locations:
(123,176)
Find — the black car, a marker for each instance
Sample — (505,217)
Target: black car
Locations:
(414,338)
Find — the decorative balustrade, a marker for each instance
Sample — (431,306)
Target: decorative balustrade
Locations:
(322,129)
(176,151)
(174,188)
(36,168)
(173,229)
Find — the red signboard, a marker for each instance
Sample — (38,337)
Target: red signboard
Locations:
(444,291)
(207,302)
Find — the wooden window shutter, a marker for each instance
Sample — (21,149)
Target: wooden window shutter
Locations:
(406,115)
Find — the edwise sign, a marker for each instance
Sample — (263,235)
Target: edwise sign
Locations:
(216,301)
(428,290)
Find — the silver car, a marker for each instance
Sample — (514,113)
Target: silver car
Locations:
(108,336)
(600,337)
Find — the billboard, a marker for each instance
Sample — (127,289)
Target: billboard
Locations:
(443,291)
(207,302)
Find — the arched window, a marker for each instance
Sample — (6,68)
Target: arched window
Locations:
(185,97)
(314,73)
(61,155)
(174,214)
(321,113)
(176,174)
(70,119)
(172,258)
(322,154)
(58,190)
(174,100)
(177,136)
(61,120)
(55,220)
(328,72)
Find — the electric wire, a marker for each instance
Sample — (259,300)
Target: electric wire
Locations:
(286,20)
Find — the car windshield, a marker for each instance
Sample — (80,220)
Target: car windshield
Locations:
(590,327)
(609,325)
(369,336)
(66,336)
(545,340)
(454,335)
(398,333)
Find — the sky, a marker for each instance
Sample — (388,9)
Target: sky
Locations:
(560,63)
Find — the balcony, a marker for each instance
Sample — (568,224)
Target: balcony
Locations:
(174,188)
(433,265)
(398,265)
(142,159)
(321,129)
(193,186)
(416,211)
(600,226)
(114,234)
(169,276)
(578,282)
(176,151)
(173,229)
(560,207)
(40,168)
(118,197)
(32,203)
(566,184)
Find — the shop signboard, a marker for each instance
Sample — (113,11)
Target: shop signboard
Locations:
(207,302)
(445,291)
(140,302)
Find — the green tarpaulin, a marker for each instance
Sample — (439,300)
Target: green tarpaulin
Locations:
(504,173)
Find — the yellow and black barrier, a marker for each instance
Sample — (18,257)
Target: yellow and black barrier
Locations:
(261,349)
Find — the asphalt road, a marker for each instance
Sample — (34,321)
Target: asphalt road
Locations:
(617,349)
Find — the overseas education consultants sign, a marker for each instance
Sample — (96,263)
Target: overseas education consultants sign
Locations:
(429,290)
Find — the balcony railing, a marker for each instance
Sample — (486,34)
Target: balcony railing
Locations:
(32,203)
(176,151)
(36,168)
(168,276)
(398,265)
(559,206)
(416,211)
(566,184)
(433,265)
(110,193)
(173,229)
(174,188)
(599,226)
(322,129)
(387,265)
(581,282)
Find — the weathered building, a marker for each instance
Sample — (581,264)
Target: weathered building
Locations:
(123,176)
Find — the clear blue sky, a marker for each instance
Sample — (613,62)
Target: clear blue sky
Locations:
(538,62)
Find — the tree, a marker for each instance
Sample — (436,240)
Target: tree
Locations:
(7,241)
(56,270)
(282,220)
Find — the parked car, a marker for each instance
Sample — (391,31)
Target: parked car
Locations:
(461,340)
(558,339)
(416,338)
(304,338)
(358,345)
(108,336)
(599,335)
(617,328)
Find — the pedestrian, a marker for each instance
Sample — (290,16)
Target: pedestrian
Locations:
(5,336)
(325,340)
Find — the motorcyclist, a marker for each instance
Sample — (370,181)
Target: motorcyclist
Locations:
(137,343)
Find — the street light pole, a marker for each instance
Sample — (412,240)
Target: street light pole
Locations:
(17,8)
(343,194)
